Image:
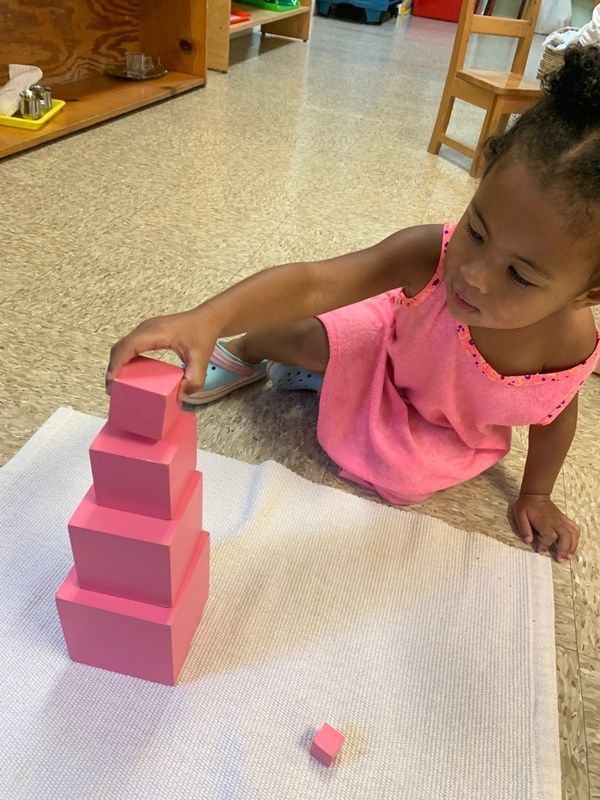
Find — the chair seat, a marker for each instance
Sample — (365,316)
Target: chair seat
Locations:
(504,83)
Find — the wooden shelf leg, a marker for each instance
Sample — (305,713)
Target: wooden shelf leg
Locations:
(217,34)
(294,27)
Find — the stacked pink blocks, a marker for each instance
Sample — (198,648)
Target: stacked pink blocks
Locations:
(136,594)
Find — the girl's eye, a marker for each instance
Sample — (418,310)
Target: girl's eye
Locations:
(476,237)
(518,278)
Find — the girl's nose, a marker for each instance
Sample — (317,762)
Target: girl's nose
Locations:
(477,275)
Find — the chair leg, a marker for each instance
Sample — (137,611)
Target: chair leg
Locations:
(491,124)
(441,123)
(502,124)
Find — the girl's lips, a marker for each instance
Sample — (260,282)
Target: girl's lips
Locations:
(462,303)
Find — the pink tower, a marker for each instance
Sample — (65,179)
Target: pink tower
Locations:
(136,594)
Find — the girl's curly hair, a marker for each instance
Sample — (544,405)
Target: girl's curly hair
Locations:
(559,137)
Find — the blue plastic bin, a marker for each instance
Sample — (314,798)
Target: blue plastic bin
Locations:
(374,9)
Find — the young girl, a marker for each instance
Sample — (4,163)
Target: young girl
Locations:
(421,385)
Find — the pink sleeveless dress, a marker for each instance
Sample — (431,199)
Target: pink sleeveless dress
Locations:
(409,406)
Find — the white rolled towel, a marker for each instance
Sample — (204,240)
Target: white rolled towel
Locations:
(20,76)
(560,40)
(590,33)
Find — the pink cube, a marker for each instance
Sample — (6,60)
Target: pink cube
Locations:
(143,398)
(133,638)
(326,745)
(145,477)
(134,556)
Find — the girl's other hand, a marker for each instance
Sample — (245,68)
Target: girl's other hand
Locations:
(536,513)
(188,334)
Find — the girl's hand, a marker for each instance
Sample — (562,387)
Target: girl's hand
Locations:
(192,335)
(536,513)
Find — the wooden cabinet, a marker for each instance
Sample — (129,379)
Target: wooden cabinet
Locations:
(294,24)
(75,41)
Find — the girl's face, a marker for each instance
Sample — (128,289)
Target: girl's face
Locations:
(514,259)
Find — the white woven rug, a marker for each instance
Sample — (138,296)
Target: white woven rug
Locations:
(431,649)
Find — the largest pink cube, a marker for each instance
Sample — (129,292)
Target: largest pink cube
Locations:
(135,556)
(133,638)
(143,397)
(138,475)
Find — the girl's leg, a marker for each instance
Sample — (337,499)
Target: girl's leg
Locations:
(303,344)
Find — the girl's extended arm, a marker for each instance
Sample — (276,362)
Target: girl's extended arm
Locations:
(283,294)
(298,291)
(534,510)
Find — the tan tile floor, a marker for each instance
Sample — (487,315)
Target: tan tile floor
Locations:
(299,152)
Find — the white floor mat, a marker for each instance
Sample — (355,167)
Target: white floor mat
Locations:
(430,648)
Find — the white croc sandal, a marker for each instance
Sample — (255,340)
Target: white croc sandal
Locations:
(291,379)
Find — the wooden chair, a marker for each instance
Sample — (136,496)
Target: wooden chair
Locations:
(499,93)
(490,4)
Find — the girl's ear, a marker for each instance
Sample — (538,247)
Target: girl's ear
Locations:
(591,297)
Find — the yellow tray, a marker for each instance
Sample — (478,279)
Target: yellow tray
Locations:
(32,124)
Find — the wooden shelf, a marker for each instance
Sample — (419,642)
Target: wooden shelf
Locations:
(75,44)
(94,100)
(261,16)
(294,24)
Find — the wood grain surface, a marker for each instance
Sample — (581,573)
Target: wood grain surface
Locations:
(68,39)
(95,100)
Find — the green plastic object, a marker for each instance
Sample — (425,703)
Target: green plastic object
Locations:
(276,5)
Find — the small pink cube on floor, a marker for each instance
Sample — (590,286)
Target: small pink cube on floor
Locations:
(326,745)
(143,398)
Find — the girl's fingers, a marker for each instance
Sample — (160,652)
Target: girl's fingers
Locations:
(564,544)
(523,526)
(567,539)
(152,334)
(186,388)
(124,350)
(547,536)
(572,535)
(566,536)
(194,375)
(120,353)
(550,529)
